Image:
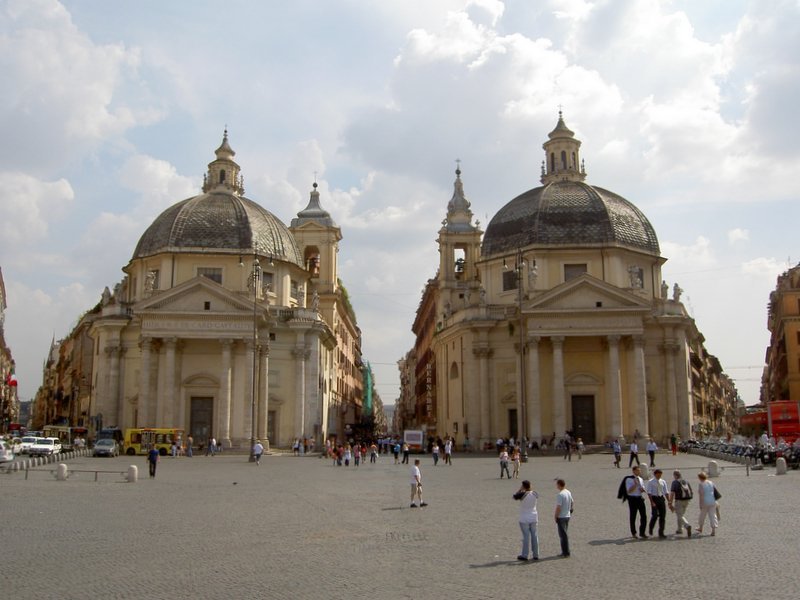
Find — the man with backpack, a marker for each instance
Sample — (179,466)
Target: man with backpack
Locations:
(680,493)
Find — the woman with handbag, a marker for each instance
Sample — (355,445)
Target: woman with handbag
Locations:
(707,494)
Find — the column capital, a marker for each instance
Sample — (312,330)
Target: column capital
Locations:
(301,352)
(557,340)
(170,342)
(115,350)
(226,343)
(482,351)
(613,339)
(638,340)
(534,339)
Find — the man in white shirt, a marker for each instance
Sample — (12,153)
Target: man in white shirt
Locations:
(448,452)
(635,489)
(258,450)
(634,448)
(416,485)
(564,507)
(651,450)
(658,492)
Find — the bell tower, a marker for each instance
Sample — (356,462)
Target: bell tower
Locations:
(459,250)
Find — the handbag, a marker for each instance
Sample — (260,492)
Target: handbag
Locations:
(717,495)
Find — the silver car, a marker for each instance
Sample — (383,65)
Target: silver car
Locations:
(106,447)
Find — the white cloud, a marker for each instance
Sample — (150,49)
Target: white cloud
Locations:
(767,268)
(738,235)
(29,207)
(156,182)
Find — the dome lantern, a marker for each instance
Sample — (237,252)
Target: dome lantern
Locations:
(562,155)
(224,171)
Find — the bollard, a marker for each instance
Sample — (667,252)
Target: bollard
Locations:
(133,474)
(644,471)
(62,473)
(780,466)
(747,465)
(713,469)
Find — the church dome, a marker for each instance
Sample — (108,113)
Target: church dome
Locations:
(569,213)
(220,219)
(566,211)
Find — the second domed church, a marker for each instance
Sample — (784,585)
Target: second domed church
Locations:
(555,319)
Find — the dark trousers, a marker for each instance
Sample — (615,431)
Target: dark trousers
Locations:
(563,524)
(634,456)
(658,511)
(405,458)
(636,506)
(652,458)
(152,468)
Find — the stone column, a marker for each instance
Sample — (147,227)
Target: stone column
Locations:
(640,387)
(484,430)
(224,421)
(169,383)
(182,421)
(614,395)
(559,417)
(534,392)
(301,354)
(263,397)
(144,419)
(670,350)
(113,353)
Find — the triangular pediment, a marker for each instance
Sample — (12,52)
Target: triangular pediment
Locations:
(587,293)
(199,294)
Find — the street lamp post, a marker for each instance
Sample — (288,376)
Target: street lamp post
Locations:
(519,267)
(255,278)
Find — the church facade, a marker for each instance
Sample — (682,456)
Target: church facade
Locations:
(229,324)
(556,318)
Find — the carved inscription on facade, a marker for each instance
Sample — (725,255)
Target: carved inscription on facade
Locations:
(199,325)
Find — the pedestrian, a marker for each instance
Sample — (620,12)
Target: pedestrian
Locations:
(189,444)
(680,493)
(357,455)
(515,458)
(435,453)
(635,490)
(152,460)
(634,450)
(406,450)
(373,453)
(657,492)
(416,485)
(258,450)
(348,454)
(504,462)
(212,446)
(568,447)
(528,520)
(673,443)
(174,449)
(617,450)
(651,450)
(579,446)
(448,451)
(466,444)
(564,508)
(708,503)
(396,452)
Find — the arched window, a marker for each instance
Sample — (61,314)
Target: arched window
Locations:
(574,161)
(222,176)
(454,371)
(552,162)
(563,160)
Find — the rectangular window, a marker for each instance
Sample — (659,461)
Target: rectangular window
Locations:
(212,273)
(573,271)
(294,290)
(509,280)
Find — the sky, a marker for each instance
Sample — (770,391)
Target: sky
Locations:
(112,111)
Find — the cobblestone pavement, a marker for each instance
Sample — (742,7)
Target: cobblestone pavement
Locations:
(297,527)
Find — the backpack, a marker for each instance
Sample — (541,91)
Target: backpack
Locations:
(622,493)
(686,490)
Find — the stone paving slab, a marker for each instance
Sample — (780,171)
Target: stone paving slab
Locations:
(297,527)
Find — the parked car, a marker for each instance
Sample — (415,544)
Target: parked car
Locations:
(45,447)
(26,443)
(106,447)
(6,452)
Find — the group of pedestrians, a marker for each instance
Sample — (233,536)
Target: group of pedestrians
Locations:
(529,519)
(661,497)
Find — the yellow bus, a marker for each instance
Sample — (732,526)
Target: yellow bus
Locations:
(140,440)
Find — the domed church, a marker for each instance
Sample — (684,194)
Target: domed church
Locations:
(570,274)
(230,324)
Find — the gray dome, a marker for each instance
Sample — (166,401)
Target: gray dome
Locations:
(569,213)
(219,221)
